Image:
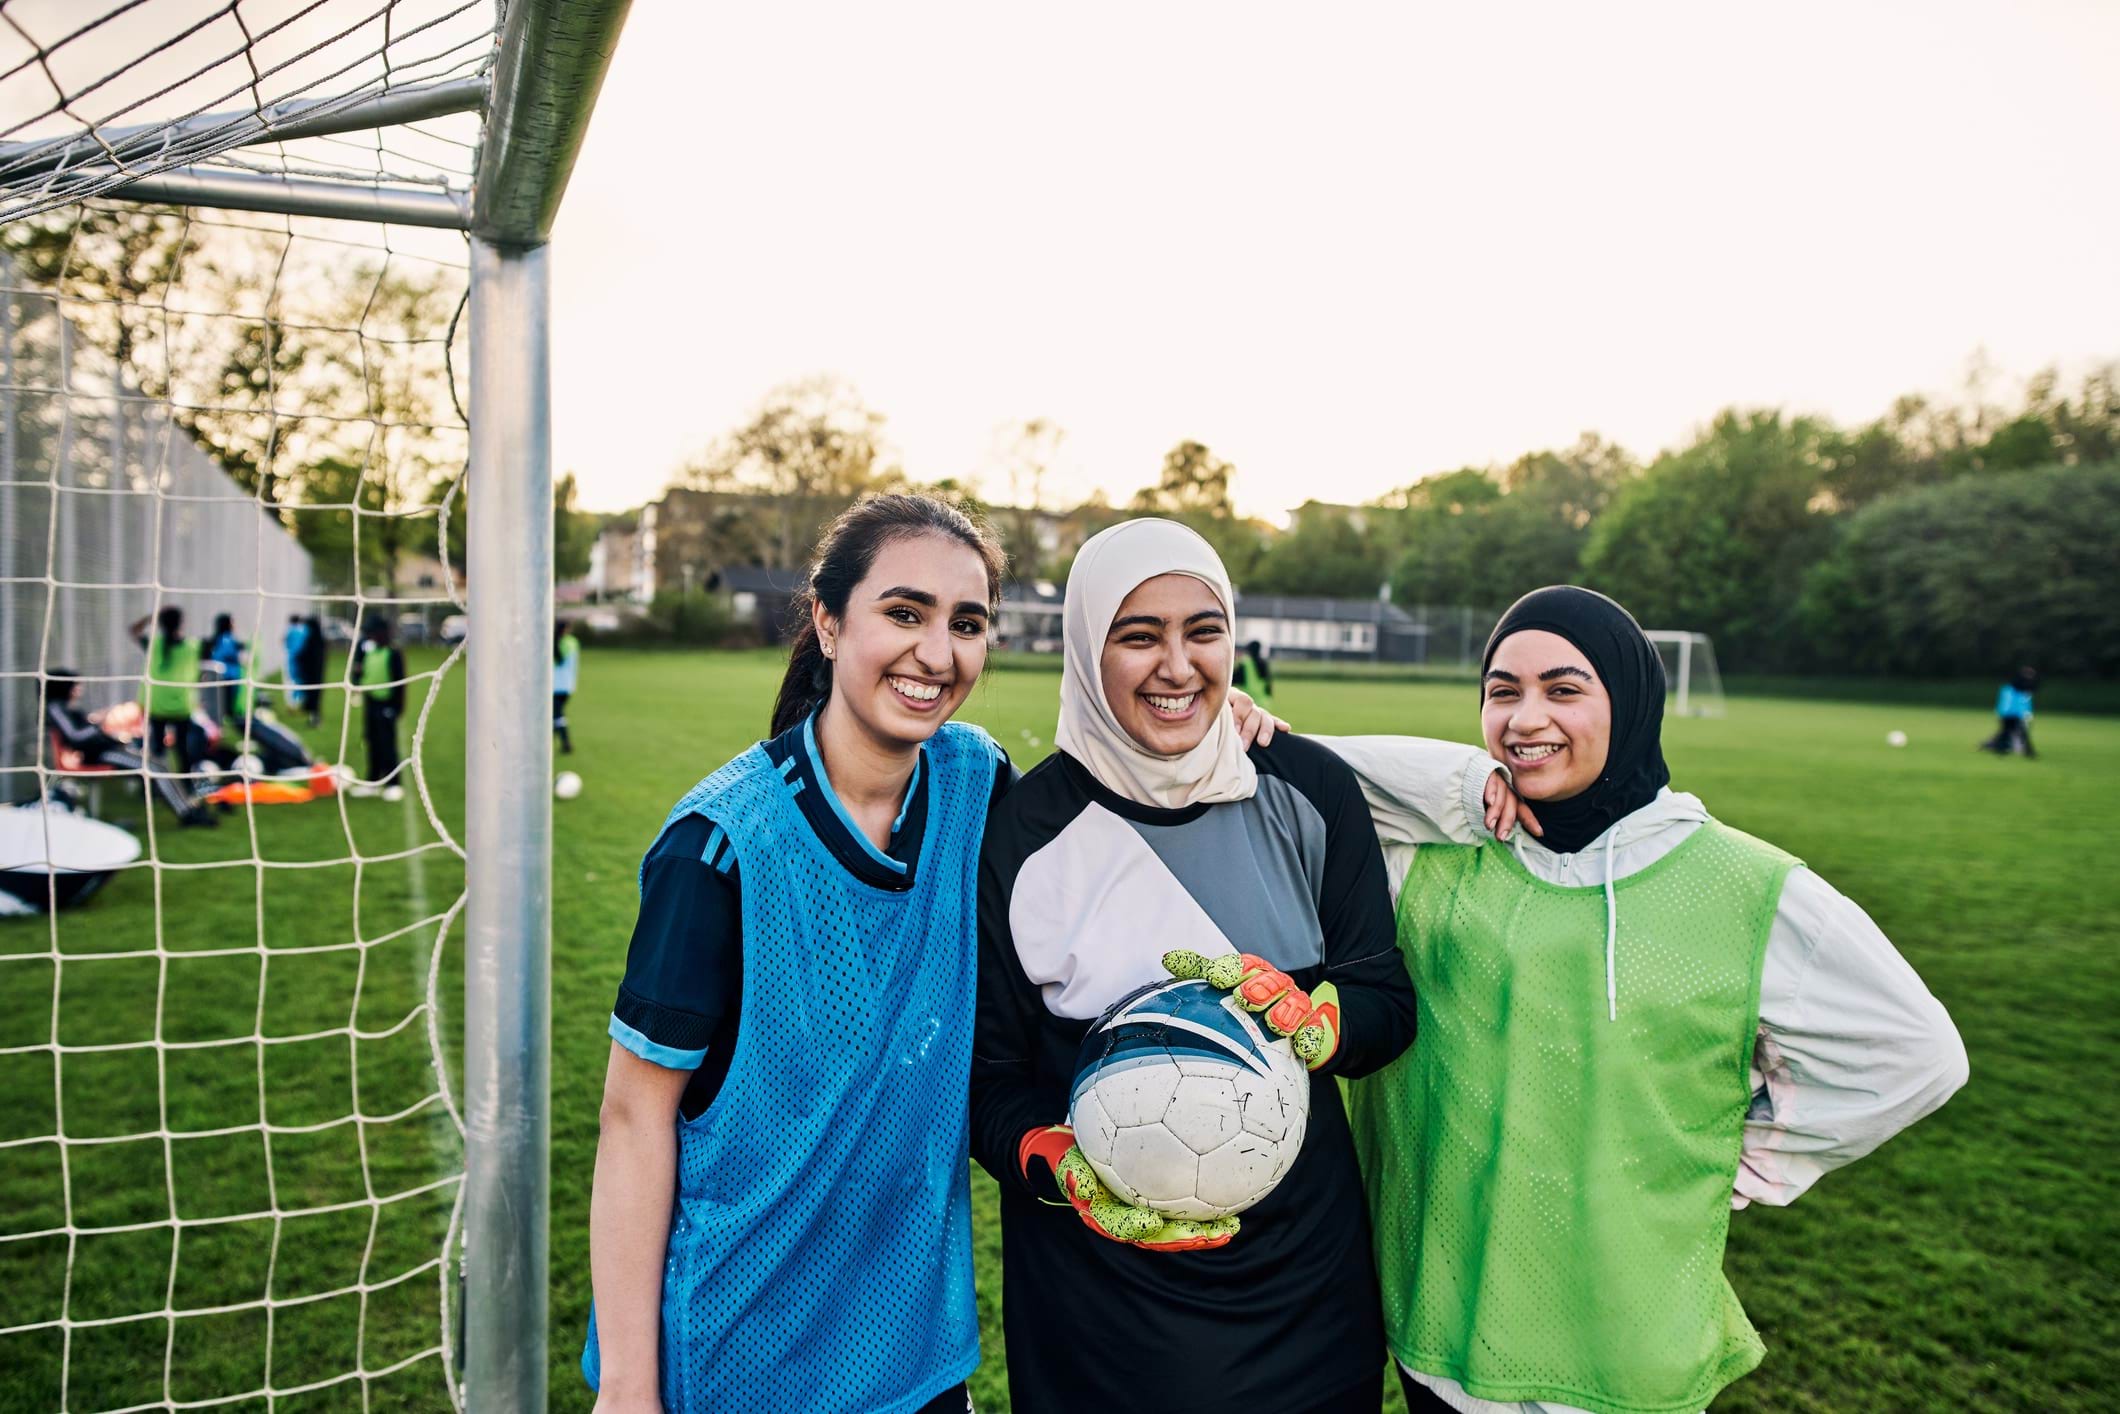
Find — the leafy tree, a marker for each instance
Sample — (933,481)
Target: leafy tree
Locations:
(1717,536)
(1194,488)
(573,532)
(1329,550)
(1474,536)
(1976,575)
(811,448)
(1026,452)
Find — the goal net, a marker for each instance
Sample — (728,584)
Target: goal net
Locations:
(1693,683)
(248,790)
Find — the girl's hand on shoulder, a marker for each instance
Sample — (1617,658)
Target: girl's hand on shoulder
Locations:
(1505,809)
(1255,725)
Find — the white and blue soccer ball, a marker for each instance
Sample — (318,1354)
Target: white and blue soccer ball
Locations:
(1185,1103)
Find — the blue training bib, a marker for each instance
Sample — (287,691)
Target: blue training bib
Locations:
(820,1256)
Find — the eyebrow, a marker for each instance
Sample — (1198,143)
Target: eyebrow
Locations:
(929,601)
(1565,670)
(1157,620)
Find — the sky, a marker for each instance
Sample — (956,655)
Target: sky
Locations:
(1345,246)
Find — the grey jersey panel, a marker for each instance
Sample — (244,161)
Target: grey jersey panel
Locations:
(1256,867)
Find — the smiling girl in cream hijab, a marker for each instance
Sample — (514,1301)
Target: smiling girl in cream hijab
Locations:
(1154,831)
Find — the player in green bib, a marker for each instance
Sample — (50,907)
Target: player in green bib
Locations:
(1628,1027)
(168,691)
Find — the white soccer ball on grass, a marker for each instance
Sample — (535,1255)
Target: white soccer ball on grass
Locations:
(1895,738)
(567,785)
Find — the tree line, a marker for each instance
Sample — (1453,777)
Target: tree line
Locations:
(1942,537)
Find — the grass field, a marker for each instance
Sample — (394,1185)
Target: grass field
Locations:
(1965,1266)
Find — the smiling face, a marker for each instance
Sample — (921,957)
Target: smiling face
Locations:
(1545,715)
(1166,663)
(912,641)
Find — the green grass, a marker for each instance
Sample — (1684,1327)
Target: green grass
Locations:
(1965,1265)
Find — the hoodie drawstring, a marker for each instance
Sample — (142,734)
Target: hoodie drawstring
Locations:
(1516,843)
(1611,932)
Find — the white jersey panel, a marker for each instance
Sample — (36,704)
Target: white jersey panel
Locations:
(1094,911)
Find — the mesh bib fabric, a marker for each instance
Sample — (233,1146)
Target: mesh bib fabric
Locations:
(169,695)
(820,1256)
(1550,1189)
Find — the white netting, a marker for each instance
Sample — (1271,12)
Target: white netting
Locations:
(95,93)
(229,1152)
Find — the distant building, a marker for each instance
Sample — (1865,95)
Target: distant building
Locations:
(622,561)
(1029,620)
(761,595)
(418,576)
(1291,627)
(1295,626)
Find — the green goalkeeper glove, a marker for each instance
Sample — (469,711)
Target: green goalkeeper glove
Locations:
(1310,1020)
(1106,1215)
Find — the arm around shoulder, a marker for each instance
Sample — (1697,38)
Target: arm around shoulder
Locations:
(1419,790)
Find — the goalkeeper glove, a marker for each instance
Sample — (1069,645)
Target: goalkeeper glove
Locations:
(1106,1215)
(1311,1021)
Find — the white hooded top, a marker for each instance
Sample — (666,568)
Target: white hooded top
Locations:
(1109,567)
(1851,1047)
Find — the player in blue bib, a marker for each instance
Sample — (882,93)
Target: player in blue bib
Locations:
(782,1210)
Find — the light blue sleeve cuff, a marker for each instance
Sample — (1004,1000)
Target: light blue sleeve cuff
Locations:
(668,1057)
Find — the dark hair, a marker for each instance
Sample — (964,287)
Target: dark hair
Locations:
(844,553)
(59,685)
(559,631)
(224,623)
(169,623)
(376,629)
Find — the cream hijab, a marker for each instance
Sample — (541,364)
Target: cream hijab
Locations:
(1111,566)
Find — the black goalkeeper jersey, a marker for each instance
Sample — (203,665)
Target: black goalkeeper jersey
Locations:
(1080,894)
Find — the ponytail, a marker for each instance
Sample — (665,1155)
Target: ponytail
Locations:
(807,685)
(844,553)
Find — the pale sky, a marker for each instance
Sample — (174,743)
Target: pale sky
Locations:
(1343,245)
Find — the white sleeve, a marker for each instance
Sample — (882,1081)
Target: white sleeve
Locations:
(1851,1049)
(1419,791)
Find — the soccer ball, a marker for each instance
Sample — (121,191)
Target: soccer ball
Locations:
(1895,738)
(567,785)
(1183,1102)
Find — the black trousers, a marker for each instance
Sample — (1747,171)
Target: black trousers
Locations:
(180,738)
(2012,734)
(954,1400)
(379,725)
(174,793)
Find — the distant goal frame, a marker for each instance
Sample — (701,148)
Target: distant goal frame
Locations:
(1694,650)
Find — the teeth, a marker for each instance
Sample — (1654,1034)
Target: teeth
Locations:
(918,691)
(1172,704)
(1538,752)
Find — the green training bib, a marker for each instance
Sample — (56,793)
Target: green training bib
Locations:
(1550,1189)
(171,678)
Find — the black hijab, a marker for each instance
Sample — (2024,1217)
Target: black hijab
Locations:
(1626,663)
